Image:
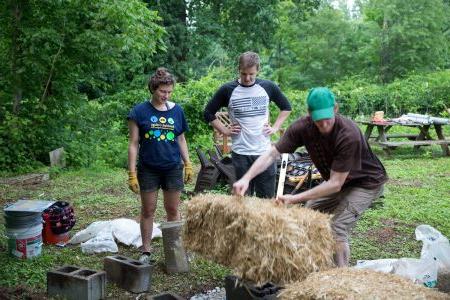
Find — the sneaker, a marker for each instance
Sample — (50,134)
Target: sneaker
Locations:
(146,258)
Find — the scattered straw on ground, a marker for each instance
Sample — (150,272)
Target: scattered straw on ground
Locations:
(261,241)
(348,283)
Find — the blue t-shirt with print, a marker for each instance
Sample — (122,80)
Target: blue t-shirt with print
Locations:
(158,132)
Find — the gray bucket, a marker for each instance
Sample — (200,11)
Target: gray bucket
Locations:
(24,233)
(174,253)
(22,219)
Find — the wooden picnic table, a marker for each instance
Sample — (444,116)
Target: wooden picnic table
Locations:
(422,138)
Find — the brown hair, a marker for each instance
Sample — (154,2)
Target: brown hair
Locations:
(161,76)
(248,59)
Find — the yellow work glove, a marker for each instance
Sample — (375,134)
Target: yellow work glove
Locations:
(188,172)
(133,183)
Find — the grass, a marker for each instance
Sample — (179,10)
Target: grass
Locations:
(418,193)
(97,194)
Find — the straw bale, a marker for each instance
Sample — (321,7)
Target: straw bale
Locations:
(259,240)
(349,283)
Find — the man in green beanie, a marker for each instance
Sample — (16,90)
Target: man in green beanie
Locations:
(353,175)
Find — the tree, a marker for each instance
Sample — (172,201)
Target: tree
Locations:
(51,52)
(177,39)
(318,50)
(51,47)
(238,26)
(411,36)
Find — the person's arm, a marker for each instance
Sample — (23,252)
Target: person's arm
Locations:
(333,185)
(234,128)
(133,145)
(220,99)
(188,171)
(281,102)
(282,116)
(184,149)
(261,164)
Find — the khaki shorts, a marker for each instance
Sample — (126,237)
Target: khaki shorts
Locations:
(346,206)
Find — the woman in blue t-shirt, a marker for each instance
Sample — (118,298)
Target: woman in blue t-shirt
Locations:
(156,147)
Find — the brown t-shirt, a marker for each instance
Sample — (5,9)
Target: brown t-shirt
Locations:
(343,150)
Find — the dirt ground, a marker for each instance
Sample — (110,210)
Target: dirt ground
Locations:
(21,293)
(444,283)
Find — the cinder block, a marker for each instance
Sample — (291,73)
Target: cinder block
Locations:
(76,283)
(127,273)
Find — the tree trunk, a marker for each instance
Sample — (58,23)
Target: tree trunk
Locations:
(16,12)
(384,51)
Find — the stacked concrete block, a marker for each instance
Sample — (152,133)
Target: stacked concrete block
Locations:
(70,282)
(129,274)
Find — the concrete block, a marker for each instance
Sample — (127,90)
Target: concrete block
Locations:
(70,282)
(57,158)
(127,273)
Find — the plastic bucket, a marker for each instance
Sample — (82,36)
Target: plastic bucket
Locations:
(15,219)
(25,242)
(174,253)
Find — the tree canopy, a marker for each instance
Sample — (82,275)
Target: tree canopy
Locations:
(68,67)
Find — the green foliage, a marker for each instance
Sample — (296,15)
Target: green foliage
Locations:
(193,97)
(297,99)
(57,57)
(411,35)
(239,25)
(422,93)
(114,41)
(393,39)
(320,50)
(97,131)
(177,39)
(53,52)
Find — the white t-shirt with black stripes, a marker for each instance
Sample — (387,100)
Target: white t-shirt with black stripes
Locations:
(249,107)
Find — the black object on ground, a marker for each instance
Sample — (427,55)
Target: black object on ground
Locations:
(238,289)
(165,296)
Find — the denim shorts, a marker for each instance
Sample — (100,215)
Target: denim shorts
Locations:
(151,180)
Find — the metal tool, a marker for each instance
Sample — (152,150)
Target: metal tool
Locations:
(281,179)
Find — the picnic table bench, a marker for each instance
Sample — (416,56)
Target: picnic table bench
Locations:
(422,138)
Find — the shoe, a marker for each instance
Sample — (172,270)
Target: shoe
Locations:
(146,258)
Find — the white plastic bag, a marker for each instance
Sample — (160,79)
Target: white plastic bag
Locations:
(381,265)
(125,230)
(99,236)
(422,271)
(103,242)
(435,246)
(90,232)
(435,256)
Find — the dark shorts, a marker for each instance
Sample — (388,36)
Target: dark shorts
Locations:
(262,185)
(151,180)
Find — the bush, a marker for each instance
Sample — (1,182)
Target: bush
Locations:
(193,97)
(95,132)
(418,93)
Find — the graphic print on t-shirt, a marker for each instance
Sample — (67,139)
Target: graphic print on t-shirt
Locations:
(250,106)
(161,129)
